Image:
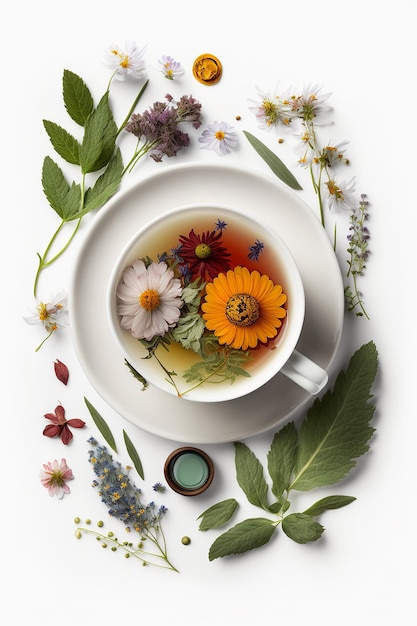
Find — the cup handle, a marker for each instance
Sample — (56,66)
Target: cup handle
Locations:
(305,373)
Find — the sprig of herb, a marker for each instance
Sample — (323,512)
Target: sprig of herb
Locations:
(97,151)
(335,433)
(358,254)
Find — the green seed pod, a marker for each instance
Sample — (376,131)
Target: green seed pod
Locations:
(186,541)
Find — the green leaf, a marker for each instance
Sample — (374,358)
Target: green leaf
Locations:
(101,424)
(64,144)
(273,161)
(336,430)
(99,138)
(281,458)
(325,504)
(78,100)
(106,185)
(218,514)
(133,455)
(302,528)
(247,535)
(55,186)
(250,476)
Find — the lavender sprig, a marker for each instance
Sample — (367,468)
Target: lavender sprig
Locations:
(124,501)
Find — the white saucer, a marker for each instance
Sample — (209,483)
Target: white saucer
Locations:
(247,190)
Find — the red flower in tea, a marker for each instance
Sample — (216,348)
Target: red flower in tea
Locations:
(204,254)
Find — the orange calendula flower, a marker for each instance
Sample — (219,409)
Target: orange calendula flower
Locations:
(207,69)
(243,308)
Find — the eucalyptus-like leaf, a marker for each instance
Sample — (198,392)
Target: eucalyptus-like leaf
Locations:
(250,476)
(78,100)
(247,535)
(133,455)
(101,424)
(99,138)
(328,503)
(63,142)
(281,458)
(302,528)
(218,514)
(337,428)
(105,186)
(273,161)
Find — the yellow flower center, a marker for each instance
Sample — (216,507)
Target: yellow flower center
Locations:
(149,299)
(43,312)
(203,251)
(219,135)
(57,479)
(242,309)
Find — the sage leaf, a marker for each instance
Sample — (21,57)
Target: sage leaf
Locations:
(325,504)
(99,139)
(78,100)
(281,458)
(63,142)
(336,430)
(250,476)
(133,455)
(101,424)
(273,161)
(218,514)
(302,528)
(105,186)
(245,536)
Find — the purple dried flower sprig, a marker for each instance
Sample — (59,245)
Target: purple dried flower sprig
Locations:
(157,128)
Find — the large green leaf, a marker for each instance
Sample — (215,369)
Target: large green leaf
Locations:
(78,100)
(247,535)
(250,476)
(337,428)
(281,458)
(63,142)
(99,138)
(302,528)
(273,161)
(55,186)
(106,185)
(218,514)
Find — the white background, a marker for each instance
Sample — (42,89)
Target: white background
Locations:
(362,570)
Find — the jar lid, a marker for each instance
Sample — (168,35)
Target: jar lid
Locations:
(189,471)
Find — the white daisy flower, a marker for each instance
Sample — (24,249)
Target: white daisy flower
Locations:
(51,314)
(271,109)
(170,68)
(341,195)
(219,136)
(127,62)
(149,299)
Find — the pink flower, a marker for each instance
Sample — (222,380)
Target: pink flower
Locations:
(54,476)
(60,425)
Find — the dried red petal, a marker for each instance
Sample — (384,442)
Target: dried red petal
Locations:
(76,423)
(61,371)
(66,435)
(52,430)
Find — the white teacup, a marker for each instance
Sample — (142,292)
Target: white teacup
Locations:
(278,355)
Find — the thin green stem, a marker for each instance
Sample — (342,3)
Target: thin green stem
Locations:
(132,108)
